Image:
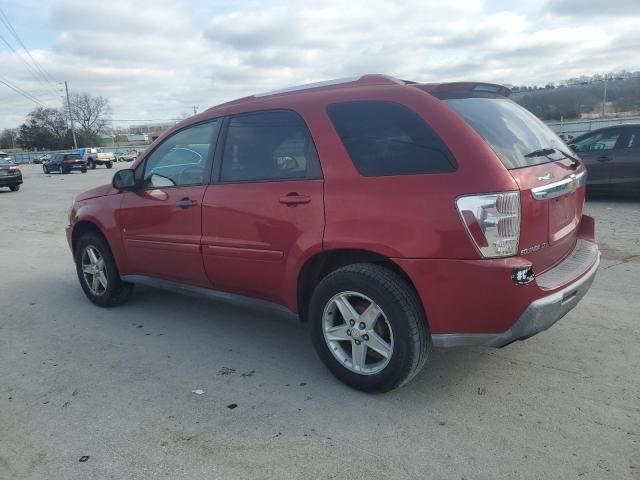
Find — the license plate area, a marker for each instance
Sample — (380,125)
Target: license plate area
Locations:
(563,217)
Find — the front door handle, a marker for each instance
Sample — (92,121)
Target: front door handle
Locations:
(604,159)
(294,198)
(185,203)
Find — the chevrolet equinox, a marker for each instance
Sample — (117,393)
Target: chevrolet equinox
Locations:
(392,216)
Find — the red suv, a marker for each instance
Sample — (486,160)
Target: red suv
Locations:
(392,216)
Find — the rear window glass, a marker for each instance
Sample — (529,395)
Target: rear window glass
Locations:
(386,139)
(510,130)
(72,156)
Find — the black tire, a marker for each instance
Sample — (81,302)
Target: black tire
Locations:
(14,188)
(403,311)
(45,170)
(117,291)
(92,164)
(109,164)
(83,170)
(63,171)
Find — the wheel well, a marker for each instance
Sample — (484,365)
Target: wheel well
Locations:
(323,263)
(82,228)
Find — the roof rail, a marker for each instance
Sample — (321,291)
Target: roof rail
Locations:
(370,79)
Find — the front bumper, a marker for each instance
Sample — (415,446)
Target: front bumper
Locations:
(538,316)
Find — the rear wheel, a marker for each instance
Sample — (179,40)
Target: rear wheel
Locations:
(369,328)
(92,164)
(109,164)
(14,188)
(98,272)
(63,171)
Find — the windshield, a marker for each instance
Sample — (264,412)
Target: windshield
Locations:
(518,137)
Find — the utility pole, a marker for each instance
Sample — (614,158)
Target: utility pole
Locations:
(195,110)
(604,97)
(73,129)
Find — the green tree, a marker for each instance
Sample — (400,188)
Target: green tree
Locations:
(45,128)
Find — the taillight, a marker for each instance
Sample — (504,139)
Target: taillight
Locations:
(14,169)
(492,222)
(68,161)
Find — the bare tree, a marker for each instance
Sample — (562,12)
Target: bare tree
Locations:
(45,128)
(91,115)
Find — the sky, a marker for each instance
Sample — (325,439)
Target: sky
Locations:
(157,59)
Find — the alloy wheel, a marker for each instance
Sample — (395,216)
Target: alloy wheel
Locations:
(357,333)
(94,271)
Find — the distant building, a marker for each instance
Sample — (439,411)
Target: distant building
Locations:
(142,137)
(106,140)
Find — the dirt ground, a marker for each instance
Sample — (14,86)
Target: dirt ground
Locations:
(116,385)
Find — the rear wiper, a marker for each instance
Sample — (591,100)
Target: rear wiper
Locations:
(544,152)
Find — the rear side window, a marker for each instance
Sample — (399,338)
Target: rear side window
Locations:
(514,133)
(386,139)
(268,146)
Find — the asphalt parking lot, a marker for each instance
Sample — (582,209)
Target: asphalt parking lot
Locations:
(116,385)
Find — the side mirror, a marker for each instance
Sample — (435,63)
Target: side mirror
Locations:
(124,180)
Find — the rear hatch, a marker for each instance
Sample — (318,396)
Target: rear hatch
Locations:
(550,178)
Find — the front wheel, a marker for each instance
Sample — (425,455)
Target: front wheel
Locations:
(83,170)
(45,170)
(369,328)
(98,272)
(92,164)
(14,188)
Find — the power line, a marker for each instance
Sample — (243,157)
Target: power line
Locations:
(9,25)
(21,92)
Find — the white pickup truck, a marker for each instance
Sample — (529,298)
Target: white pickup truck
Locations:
(95,157)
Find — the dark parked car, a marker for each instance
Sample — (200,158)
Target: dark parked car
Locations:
(612,158)
(391,216)
(10,175)
(65,163)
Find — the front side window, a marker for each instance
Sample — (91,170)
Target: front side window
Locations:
(269,145)
(389,139)
(182,159)
(599,141)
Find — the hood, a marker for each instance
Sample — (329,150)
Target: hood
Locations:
(100,191)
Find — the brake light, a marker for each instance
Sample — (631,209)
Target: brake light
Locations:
(14,169)
(492,222)
(68,161)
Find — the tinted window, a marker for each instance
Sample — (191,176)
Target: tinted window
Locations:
(72,156)
(605,140)
(389,139)
(182,158)
(268,146)
(510,130)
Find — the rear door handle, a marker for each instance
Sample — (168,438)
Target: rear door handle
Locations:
(604,159)
(294,199)
(185,203)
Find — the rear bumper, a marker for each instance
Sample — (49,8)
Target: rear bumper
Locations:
(7,181)
(539,315)
(476,302)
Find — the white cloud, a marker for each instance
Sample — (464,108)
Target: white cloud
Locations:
(155,59)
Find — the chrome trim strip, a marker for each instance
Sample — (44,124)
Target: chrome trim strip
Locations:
(560,188)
